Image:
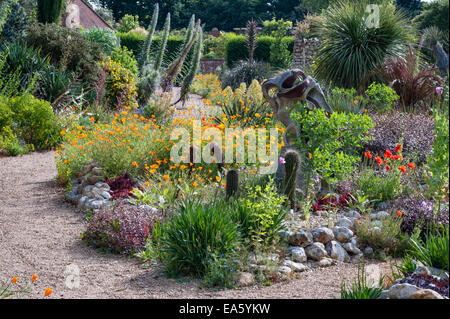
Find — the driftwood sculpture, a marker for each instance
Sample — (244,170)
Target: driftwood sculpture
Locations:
(293,86)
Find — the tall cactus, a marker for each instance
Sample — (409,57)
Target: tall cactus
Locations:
(292,165)
(232,188)
(162,49)
(175,68)
(146,50)
(195,66)
(49,11)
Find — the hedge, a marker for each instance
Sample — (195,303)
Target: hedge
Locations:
(236,48)
(134,42)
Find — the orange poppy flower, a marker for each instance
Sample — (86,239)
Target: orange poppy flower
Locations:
(14,279)
(411,165)
(48,292)
(388,154)
(33,278)
(402,169)
(399,213)
(379,160)
(368,154)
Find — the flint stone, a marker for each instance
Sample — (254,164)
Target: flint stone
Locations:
(352,249)
(323,235)
(402,291)
(298,254)
(344,222)
(302,238)
(316,251)
(298,267)
(342,234)
(337,252)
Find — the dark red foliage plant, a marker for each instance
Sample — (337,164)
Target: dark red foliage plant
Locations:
(121,186)
(332,201)
(123,228)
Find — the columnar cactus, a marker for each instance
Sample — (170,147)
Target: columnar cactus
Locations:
(292,165)
(232,188)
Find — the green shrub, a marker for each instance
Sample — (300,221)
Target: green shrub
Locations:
(351,48)
(36,122)
(106,38)
(246,72)
(29,119)
(53,83)
(389,240)
(346,100)
(15,25)
(192,233)
(66,48)
(438,162)
(434,250)
(220,271)
(434,13)
(260,214)
(128,23)
(125,58)
(271,26)
(379,187)
(381,97)
(333,143)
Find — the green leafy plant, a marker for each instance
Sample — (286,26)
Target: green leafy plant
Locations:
(220,271)
(347,101)
(193,232)
(381,98)
(438,162)
(388,239)
(261,213)
(106,38)
(279,55)
(128,23)
(378,186)
(361,289)
(347,35)
(126,59)
(434,250)
(331,145)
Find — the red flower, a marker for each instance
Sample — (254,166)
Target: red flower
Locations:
(398,148)
(385,162)
(368,154)
(411,165)
(399,213)
(379,160)
(388,168)
(388,154)
(397,157)
(403,169)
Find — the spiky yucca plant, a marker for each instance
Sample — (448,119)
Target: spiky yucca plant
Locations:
(351,46)
(145,52)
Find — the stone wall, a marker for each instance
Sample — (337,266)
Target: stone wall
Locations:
(304,53)
(210,65)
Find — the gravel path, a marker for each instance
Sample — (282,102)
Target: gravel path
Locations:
(39,234)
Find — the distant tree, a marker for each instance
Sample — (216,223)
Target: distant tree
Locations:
(49,11)
(434,14)
(411,7)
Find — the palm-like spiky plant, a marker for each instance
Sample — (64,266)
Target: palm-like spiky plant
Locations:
(351,46)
